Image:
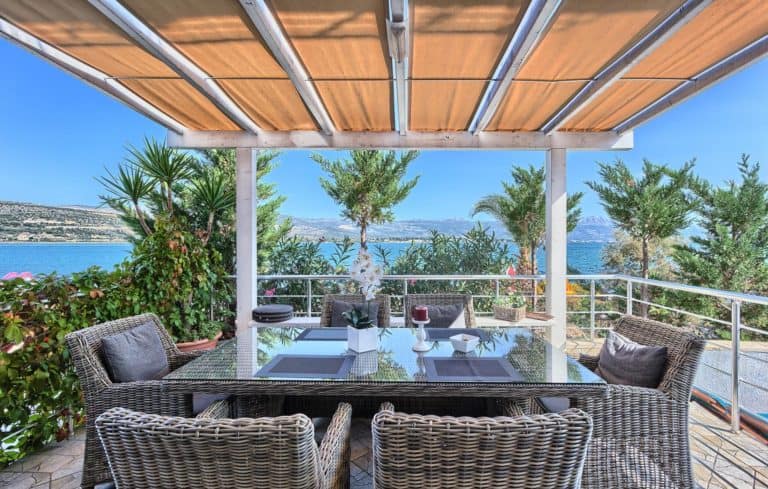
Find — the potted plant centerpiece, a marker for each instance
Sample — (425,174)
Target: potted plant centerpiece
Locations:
(510,307)
(362,332)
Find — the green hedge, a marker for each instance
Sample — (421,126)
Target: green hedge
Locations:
(40,399)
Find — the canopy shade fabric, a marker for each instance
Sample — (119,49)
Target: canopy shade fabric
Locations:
(301,65)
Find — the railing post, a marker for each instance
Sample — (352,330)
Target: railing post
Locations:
(535,294)
(309,297)
(592,310)
(629,298)
(405,287)
(497,288)
(735,347)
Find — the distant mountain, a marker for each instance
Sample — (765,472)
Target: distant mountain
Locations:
(590,229)
(32,222)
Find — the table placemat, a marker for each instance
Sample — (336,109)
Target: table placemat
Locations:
(444,334)
(308,367)
(323,334)
(453,369)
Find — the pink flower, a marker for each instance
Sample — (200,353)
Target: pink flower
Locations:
(412,281)
(269,292)
(14,275)
(511,271)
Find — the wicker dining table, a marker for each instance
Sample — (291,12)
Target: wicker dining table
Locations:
(507,364)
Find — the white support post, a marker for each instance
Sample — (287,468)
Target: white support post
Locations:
(247,201)
(556,238)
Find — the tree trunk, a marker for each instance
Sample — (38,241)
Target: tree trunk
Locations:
(534,269)
(364,236)
(142,221)
(644,288)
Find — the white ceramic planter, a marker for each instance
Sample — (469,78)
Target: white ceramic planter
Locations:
(359,340)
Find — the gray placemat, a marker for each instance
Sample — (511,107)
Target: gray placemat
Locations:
(308,367)
(444,334)
(323,334)
(468,369)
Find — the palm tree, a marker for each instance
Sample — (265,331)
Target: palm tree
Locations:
(368,185)
(126,191)
(165,165)
(522,211)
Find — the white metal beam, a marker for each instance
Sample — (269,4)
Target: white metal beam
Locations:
(160,48)
(269,28)
(556,243)
(624,63)
(729,66)
(537,18)
(88,74)
(385,140)
(246,239)
(399,40)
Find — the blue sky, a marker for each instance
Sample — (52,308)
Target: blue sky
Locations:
(57,133)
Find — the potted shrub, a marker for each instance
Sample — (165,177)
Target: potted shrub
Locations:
(362,335)
(509,307)
(183,281)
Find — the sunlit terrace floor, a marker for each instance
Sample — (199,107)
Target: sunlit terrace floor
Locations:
(740,461)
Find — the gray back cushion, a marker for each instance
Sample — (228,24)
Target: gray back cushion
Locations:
(446,316)
(622,361)
(134,355)
(339,307)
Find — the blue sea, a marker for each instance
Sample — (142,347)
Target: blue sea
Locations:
(65,258)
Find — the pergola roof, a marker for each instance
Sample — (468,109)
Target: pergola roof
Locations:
(424,73)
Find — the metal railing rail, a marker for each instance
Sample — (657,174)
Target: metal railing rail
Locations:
(733,299)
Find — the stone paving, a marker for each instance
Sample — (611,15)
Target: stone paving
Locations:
(739,460)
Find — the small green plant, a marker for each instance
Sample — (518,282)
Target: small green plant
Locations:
(358,319)
(516,299)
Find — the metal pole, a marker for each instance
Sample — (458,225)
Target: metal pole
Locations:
(497,288)
(735,341)
(309,298)
(592,310)
(629,297)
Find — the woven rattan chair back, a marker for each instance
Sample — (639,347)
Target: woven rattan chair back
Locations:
(411,300)
(85,347)
(101,394)
(382,299)
(684,350)
(147,450)
(540,451)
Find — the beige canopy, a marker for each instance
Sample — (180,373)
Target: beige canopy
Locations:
(465,68)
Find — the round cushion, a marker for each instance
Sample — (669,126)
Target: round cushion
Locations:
(273,313)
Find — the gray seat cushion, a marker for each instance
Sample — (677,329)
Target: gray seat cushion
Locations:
(340,307)
(321,428)
(554,404)
(201,401)
(446,316)
(622,361)
(135,355)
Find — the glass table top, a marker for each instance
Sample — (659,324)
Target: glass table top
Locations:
(503,355)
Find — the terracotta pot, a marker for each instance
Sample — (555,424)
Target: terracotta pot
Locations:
(204,344)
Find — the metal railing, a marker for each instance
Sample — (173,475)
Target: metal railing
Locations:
(597,294)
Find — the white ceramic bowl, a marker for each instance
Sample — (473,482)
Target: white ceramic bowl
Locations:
(464,343)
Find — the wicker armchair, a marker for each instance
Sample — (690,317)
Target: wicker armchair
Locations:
(542,451)
(382,299)
(101,394)
(411,300)
(641,434)
(148,450)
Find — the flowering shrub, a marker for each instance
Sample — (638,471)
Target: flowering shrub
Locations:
(40,398)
